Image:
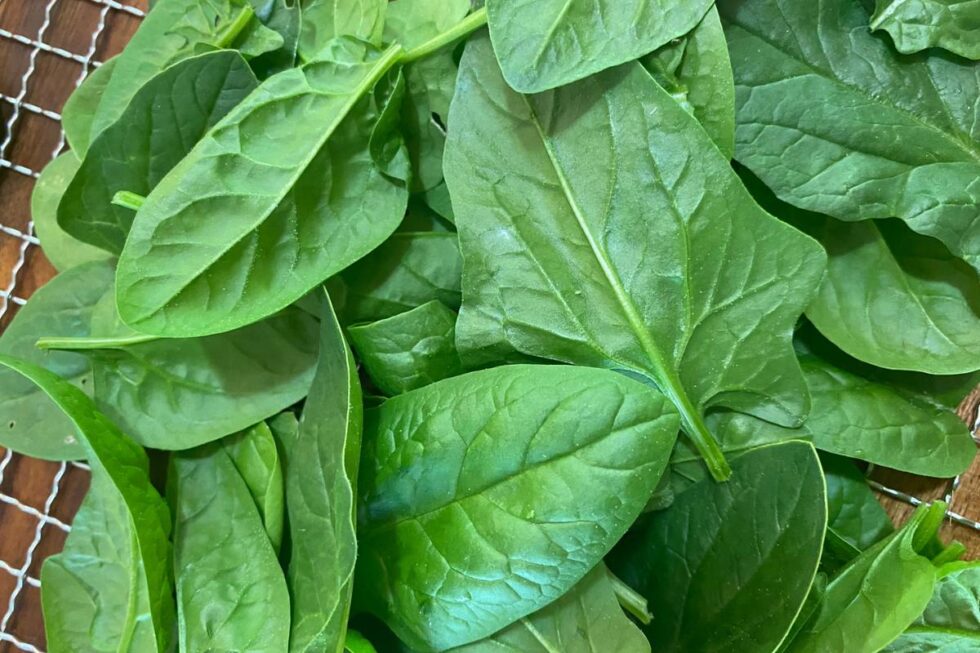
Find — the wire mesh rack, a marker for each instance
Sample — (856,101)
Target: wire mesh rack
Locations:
(47,48)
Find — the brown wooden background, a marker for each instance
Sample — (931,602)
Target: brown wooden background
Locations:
(72,23)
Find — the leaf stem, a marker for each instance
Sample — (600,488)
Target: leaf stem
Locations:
(79,344)
(695,428)
(630,600)
(235,28)
(128,200)
(463,28)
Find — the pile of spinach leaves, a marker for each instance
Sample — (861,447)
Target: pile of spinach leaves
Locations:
(547,326)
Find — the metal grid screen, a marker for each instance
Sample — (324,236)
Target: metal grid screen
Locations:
(39,522)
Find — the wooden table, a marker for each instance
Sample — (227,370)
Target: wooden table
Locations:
(35,138)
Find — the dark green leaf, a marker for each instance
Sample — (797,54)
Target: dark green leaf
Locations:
(60,248)
(488,495)
(951,620)
(409,350)
(164,120)
(833,120)
(110,588)
(543,44)
(256,457)
(919,24)
(321,474)
(29,423)
(728,566)
(601,226)
(853,512)
(281,194)
(231,591)
(586,619)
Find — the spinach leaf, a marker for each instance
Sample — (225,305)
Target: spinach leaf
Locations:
(231,591)
(430,81)
(833,120)
(285,18)
(715,565)
(177,394)
(279,195)
(859,418)
(31,424)
(79,110)
(951,620)
(256,457)
(542,44)
(406,271)
(60,248)
(110,589)
(600,225)
(164,120)
(438,200)
(882,591)
(915,25)
(321,465)
(172,31)
(586,619)
(854,514)
(696,71)
(409,350)
(325,20)
(486,496)
(357,643)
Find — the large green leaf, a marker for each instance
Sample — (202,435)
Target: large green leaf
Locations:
(542,44)
(600,225)
(173,30)
(110,588)
(164,120)
(231,591)
(875,598)
(321,477)
(178,394)
(855,417)
(919,24)
(279,195)
(60,248)
(256,457)
(696,71)
(409,350)
(81,105)
(833,120)
(728,566)
(586,619)
(325,20)
(488,495)
(29,423)
(408,270)
(951,621)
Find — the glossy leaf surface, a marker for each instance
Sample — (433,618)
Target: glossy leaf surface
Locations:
(915,25)
(488,495)
(951,621)
(325,20)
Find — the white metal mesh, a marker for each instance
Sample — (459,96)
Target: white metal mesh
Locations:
(8,293)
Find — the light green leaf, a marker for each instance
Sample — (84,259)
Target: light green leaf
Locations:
(858,418)
(542,44)
(881,592)
(80,108)
(325,20)
(60,248)
(586,619)
(321,466)
(172,31)
(696,71)
(29,423)
(281,194)
(231,591)
(110,588)
(409,350)
(834,120)
(256,457)
(601,226)
(406,271)
(728,566)
(164,120)
(919,24)
(486,496)
(951,620)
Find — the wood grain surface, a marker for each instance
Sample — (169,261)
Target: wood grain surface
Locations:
(35,138)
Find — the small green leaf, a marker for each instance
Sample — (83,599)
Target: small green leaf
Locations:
(80,108)
(854,513)
(915,25)
(951,621)
(256,457)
